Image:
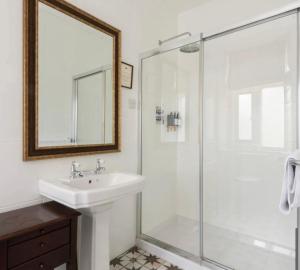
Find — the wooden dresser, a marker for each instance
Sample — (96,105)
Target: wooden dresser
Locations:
(43,236)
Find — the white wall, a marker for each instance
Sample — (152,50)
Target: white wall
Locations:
(19,180)
(159,19)
(215,15)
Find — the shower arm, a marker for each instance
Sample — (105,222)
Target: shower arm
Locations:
(161,42)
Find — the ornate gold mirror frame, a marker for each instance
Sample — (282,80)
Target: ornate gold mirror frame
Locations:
(30,108)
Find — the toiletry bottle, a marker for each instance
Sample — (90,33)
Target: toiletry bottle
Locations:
(169,121)
(178,120)
(173,121)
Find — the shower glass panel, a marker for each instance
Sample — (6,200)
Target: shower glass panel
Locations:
(91,92)
(170,149)
(249,127)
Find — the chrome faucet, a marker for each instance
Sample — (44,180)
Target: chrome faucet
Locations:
(76,172)
(100,168)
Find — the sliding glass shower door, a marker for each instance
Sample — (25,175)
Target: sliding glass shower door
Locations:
(249,127)
(170,148)
(219,202)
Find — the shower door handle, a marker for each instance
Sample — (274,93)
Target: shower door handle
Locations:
(297,266)
(297,249)
(297,236)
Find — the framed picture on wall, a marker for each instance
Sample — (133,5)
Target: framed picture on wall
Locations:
(127,75)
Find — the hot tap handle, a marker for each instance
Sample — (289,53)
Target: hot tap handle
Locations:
(75,166)
(100,162)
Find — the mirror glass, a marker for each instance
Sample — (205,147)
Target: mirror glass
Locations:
(75,96)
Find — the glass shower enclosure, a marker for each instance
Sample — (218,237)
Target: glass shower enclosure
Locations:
(170,149)
(216,126)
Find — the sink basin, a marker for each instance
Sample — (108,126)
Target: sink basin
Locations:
(93,196)
(90,191)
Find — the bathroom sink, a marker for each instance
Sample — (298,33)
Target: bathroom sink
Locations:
(93,196)
(91,191)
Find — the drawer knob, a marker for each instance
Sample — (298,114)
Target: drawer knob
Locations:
(42,244)
(42,265)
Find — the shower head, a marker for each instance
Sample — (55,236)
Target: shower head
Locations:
(190,48)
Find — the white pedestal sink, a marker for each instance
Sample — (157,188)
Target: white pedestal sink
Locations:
(93,196)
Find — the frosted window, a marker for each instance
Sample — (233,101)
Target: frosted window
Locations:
(272,124)
(245,121)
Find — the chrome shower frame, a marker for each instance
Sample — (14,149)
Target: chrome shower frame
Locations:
(165,46)
(172,44)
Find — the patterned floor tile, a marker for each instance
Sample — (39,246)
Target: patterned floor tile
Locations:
(138,259)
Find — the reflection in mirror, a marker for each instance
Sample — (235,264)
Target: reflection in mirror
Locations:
(92,99)
(75,86)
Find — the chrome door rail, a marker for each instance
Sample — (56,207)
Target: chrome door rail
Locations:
(297,234)
(249,25)
(161,42)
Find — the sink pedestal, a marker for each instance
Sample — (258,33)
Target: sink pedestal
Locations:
(94,254)
(93,196)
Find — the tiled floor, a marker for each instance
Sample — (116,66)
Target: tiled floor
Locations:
(138,259)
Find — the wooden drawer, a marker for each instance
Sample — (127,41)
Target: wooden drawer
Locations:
(28,250)
(42,236)
(48,261)
(38,232)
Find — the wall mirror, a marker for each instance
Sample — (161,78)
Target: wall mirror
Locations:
(71,81)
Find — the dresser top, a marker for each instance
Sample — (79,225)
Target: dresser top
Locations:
(24,220)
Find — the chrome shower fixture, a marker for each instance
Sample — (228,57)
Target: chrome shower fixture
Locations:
(190,48)
(161,42)
(159,115)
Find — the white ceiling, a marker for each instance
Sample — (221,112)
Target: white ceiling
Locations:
(183,5)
